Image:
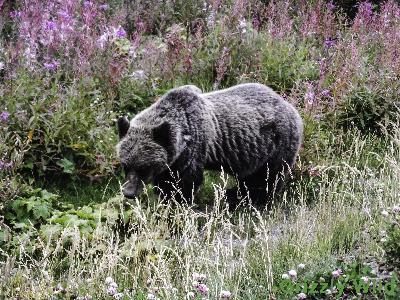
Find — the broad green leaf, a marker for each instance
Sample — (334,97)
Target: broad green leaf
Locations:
(42,210)
(67,165)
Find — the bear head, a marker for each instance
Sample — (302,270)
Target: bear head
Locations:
(144,152)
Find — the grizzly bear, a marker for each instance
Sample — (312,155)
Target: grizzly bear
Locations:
(248,130)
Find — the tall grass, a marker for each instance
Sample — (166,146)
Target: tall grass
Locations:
(245,251)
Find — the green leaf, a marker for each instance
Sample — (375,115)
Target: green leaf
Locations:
(67,166)
(42,210)
(45,195)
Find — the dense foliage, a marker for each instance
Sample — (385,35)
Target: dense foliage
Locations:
(69,68)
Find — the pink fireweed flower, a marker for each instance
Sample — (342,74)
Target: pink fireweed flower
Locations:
(365,279)
(337,273)
(396,209)
(4,116)
(104,6)
(202,288)
(225,294)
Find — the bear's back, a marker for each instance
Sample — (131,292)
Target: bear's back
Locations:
(252,124)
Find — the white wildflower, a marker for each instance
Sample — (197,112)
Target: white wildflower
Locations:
(225,294)
(285,276)
(301,296)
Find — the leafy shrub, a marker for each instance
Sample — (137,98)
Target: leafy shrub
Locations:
(32,208)
(368,109)
(286,62)
(58,129)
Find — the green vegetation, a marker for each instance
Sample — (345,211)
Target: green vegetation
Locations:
(67,72)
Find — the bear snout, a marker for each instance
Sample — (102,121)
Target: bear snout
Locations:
(129,192)
(132,187)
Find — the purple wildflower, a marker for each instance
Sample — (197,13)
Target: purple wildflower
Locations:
(4,116)
(15,14)
(50,25)
(325,93)
(329,43)
(87,4)
(310,96)
(5,165)
(65,16)
(120,33)
(330,6)
(51,66)
(365,8)
(104,6)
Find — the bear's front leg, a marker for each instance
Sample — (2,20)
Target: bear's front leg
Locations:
(190,184)
(181,185)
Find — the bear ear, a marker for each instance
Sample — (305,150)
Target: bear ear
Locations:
(162,135)
(123,126)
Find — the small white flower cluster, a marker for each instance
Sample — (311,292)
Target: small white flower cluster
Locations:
(225,294)
(86,297)
(301,296)
(395,210)
(365,279)
(292,274)
(139,75)
(242,26)
(112,287)
(151,296)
